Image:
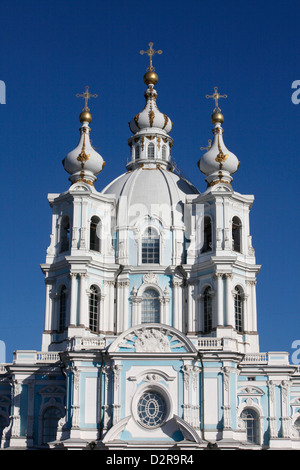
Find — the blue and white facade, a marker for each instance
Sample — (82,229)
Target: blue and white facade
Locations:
(150,337)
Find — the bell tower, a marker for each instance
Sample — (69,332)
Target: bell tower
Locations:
(79,285)
(224,269)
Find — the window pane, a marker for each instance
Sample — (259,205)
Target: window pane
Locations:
(207,310)
(151,409)
(238,310)
(150,307)
(93,310)
(150,247)
(250,418)
(151,151)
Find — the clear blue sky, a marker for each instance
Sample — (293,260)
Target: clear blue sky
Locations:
(51,49)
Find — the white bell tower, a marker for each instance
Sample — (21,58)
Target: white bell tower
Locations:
(223,261)
(80,264)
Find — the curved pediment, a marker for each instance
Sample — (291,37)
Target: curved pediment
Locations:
(152,338)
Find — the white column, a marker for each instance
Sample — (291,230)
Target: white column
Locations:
(76,206)
(285,404)
(177,304)
(83,312)
(187,369)
(136,309)
(108,307)
(76,401)
(122,306)
(83,229)
(191,308)
(73,307)
(116,399)
(226,397)
(164,310)
(219,310)
(254,308)
(230,320)
(48,305)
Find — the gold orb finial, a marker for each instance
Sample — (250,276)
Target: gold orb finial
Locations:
(85,116)
(217,116)
(151,77)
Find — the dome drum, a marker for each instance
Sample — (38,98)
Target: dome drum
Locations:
(150,147)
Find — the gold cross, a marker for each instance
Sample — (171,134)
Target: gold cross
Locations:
(216,96)
(150,52)
(86,95)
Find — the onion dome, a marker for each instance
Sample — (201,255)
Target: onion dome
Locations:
(150,117)
(218,163)
(150,143)
(84,163)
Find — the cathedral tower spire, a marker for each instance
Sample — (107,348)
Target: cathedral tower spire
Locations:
(150,143)
(84,163)
(218,163)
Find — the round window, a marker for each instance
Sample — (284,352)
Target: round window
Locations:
(151,409)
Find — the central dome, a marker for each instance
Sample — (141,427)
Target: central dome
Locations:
(155,192)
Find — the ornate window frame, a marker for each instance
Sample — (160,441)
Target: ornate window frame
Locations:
(98,295)
(150,281)
(151,386)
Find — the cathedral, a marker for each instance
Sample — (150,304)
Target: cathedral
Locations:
(150,337)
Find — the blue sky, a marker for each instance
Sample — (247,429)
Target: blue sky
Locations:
(50,50)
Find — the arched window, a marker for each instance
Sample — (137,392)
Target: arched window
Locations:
(236,234)
(65,234)
(62,308)
(94,309)
(51,417)
(150,153)
(238,308)
(251,419)
(137,152)
(150,246)
(150,307)
(95,229)
(207,235)
(164,152)
(207,308)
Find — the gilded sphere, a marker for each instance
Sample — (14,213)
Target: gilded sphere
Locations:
(85,116)
(150,78)
(217,117)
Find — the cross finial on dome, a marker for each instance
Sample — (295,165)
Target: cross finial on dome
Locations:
(86,95)
(150,52)
(216,96)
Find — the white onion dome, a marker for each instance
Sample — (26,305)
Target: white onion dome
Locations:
(150,117)
(218,163)
(84,163)
(150,143)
